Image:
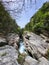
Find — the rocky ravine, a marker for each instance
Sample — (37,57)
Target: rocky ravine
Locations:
(34,44)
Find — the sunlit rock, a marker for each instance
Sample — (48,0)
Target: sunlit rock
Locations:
(8,55)
(35,45)
(30,61)
(43,61)
(13,39)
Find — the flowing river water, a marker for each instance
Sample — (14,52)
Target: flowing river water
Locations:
(22,47)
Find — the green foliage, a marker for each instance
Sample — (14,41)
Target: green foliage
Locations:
(21,59)
(7,24)
(40,21)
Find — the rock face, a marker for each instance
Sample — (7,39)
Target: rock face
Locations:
(43,61)
(3,41)
(35,45)
(37,48)
(31,61)
(13,39)
(8,55)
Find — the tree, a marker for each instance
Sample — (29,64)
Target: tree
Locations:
(7,24)
(39,23)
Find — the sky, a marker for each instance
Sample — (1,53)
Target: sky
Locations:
(26,14)
(25,17)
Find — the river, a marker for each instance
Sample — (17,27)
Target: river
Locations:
(22,47)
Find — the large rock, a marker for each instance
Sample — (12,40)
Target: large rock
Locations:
(13,39)
(35,45)
(3,41)
(30,61)
(8,56)
(43,61)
